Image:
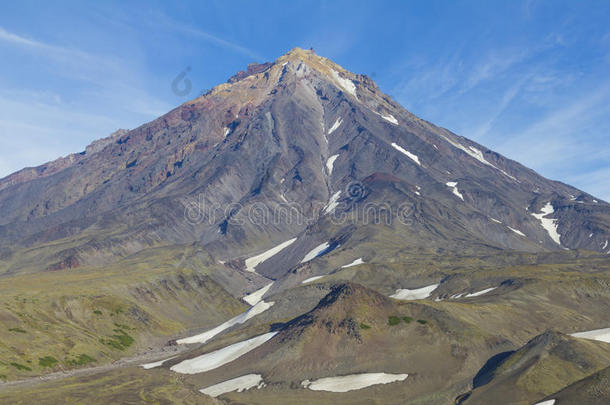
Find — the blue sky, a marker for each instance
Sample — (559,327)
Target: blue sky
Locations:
(529,79)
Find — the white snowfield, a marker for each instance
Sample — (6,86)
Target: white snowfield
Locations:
(218,358)
(454,189)
(476,294)
(390,118)
(352,382)
(330,163)
(254,261)
(549,224)
(416,294)
(257,295)
(548,402)
(410,155)
(156,363)
(495,220)
(259,308)
(238,384)
(227,131)
(336,125)
(315,252)
(603,335)
(478,155)
(518,232)
(346,84)
(311,279)
(333,202)
(354,263)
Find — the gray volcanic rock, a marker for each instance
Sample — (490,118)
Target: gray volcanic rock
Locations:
(227,170)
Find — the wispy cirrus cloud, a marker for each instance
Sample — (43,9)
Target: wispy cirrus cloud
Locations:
(562,123)
(51,50)
(177,26)
(568,142)
(523,102)
(596,179)
(507,98)
(494,64)
(40,123)
(219,41)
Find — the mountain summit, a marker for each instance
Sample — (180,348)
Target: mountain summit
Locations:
(292,232)
(301,131)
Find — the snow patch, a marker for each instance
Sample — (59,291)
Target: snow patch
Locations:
(330,163)
(477,154)
(548,402)
(336,125)
(238,384)
(311,279)
(254,261)
(333,202)
(315,252)
(220,357)
(603,335)
(549,224)
(259,308)
(257,295)
(346,84)
(352,382)
(416,294)
(411,156)
(354,263)
(227,132)
(476,294)
(495,220)
(159,363)
(390,118)
(454,189)
(518,232)
(605,245)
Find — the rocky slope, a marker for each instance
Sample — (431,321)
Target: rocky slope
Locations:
(303,184)
(543,366)
(300,132)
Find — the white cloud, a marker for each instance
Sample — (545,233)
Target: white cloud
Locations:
(509,95)
(493,65)
(185,28)
(595,182)
(569,143)
(103,93)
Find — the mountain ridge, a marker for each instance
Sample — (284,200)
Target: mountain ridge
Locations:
(275,128)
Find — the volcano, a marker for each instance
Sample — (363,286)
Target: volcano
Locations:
(301,191)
